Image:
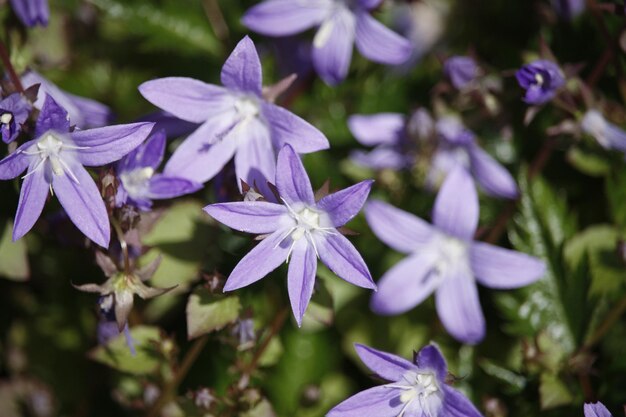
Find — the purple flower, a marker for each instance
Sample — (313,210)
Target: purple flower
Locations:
(596,410)
(606,133)
(541,79)
(413,389)
(301,229)
(236,121)
(569,9)
(444,258)
(341,23)
(461,71)
(55,160)
(422,23)
(14,111)
(139,182)
(32,12)
(172,125)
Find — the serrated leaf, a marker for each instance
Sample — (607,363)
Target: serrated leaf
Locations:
(553,392)
(117,354)
(207,313)
(13,256)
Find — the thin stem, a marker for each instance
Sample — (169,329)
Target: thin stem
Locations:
(6,61)
(611,318)
(277,324)
(123,244)
(216,19)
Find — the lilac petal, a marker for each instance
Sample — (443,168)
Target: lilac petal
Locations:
(380,44)
(398,229)
(596,410)
(242,70)
(173,126)
(249,216)
(52,117)
(380,401)
(260,261)
(148,155)
(492,176)
(255,160)
(456,207)
(186,98)
(457,405)
(338,254)
(301,277)
(32,199)
(501,268)
(103,145)
(377,129)
(14,164)
(382,157)
(459,308)
(163,187)
(332,46)
(83,204)
(287,128)
(405,285)
(92,113)
(286,17)
(32,12)
(292,180)
(343,205)
(430,357)
(369,4)
(387,366)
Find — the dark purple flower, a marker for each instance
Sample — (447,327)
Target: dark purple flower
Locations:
(341,24)
(443,258)
(14,111)
(608,135)
(32,12)
(55,160)
(461,71)
(569,9)
(298,231)
(596,410)
(413,389)
(541,79)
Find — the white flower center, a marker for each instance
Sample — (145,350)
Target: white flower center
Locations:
(50,147)
(136,182)
(247,107)
(307,221)
(6,118)
(539,79)
(449,253)
(421,387)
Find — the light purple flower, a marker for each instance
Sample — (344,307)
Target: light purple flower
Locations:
(461,71)
(608,135)
(299,231)
(14,111)
(569,9)
(172,125)
(596,410)
(236,121)
(422,23)
(139,182)
(32,12)
(55,160)
(443,258)
(413,389)
(541,79)
(341,23)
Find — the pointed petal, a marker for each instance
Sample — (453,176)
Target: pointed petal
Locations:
(92,113)
(14,164)
(301,277)
(387,366)
(459,308)
(260,261)
(492,176)
(287,128)
(292,180)
(596,410)
(430,357)
(83,204)
(32,199)
(332,46)
(377,129)
(456,207)
(457,405)
(400,230)
(501,268)
(405,285)
(343,205)
(242,70)
(52,117)
(146,272)
(148,155)
(163,187)
(374,402)
(104,145)
(255,160)
(186,98)
(380,44)
(286,17)
(344,260)
(250,216)
(90,288)
(106,264)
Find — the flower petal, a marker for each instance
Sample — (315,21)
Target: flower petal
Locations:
(344,260)
(163,187)
(375,402)
(377,129)
(596,410)
(457,405)
(369,4)
(249,216)
(343,205)
(400,230)
(148,155)
(382,157)
(456,207)
(92,113)
(14,164)
(301,277)
(255,160)
(378,43)
(501,268)
(52,117)
(32,200)
(430,357)
(492,176)
(288,128)
(32,12)
(387,366)
(286,17)
(332,46)
(292,180)
(242,70)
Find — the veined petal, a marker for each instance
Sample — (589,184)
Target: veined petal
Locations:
(83,204)
(249,216)
(457,405)
(32,199)
(385,365)
(501,268)
(163,187)
(378,43)
(430,357)
(596,410)
(301,277)
(292,180)
(242,70)
(148,155)
(52,117)
(377,129)
(375,402)
(456,207)
(255,160)
(260,261)
(286,17)
(492,176)
(400,230)
(343,205)
(332,46)
(288,128)
(14,164)
(344,260)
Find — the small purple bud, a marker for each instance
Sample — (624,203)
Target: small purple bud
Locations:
(14,112)
(32,12)
(461,71)
(541,79)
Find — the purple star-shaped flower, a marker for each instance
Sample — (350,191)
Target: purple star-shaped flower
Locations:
(541,79)
(414,389)
(444,258)
(461,71)
(139,182)
(32,12)
(14,111)
(596,410)
(236,121)
(608,135)
(341,24)
(55,160)
(299,230)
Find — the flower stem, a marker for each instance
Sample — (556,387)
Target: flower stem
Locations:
(123,244)
(277,324)
(6,62)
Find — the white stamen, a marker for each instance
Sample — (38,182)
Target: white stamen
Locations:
(6,118)
(136,182)
(52,147)
(247,107)
(421,387)
(539,79)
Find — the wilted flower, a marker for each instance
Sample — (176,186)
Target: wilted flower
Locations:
(608,135)
(55,160)
(541,79)
(444,258)
(596,410)
(298,231)
(14,110)
(461,71)
(341,23)
(413,389)
(32,12)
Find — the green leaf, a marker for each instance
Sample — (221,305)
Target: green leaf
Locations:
(207,313)
(118,355)
(262,409)
(587,162)
(13,256)
(514,382)
(553,392)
